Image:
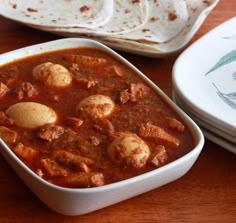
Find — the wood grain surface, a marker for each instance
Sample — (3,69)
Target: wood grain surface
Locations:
(207,193)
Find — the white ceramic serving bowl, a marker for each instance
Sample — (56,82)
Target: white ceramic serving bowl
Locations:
(69,201)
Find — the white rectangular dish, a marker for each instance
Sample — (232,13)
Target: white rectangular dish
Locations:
(70,201)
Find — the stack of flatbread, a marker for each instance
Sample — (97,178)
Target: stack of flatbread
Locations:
(151,26)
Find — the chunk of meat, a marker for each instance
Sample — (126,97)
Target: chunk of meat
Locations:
(86,82)
(69,139)
(159,156)
(109,127)
(174,124)
(53,169)
(26,90)
(4,120)
(50,132)
(74,122)
(85,61)
(134,93)
(66,158)
(83,179)
(3,90)
(154,132)
(7,135)
(84,167)
(124,96)
(115,71)
(105,126)
(10,75)
(25,152)
(2,117)
(94,140)
(138,91)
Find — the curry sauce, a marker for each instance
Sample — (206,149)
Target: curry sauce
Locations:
(81,118)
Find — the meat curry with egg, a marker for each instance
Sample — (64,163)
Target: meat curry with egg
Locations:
(80,118)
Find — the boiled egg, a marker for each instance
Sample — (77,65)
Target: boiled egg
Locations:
(96,106)
(31,114)
(128,149)
(51,74)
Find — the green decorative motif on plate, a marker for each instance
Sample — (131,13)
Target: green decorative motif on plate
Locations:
(228,98)
(228,58)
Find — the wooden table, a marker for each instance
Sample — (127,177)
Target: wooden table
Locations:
(207,193)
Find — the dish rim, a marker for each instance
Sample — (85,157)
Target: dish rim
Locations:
(203,123)
(212,136)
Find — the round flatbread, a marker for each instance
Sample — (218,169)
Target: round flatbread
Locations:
(166,18)
(60,13)
(128,15)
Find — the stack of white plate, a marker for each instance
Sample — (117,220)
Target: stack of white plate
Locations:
(204,84)
(150,28)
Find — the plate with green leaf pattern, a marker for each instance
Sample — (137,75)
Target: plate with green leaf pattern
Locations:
(204,76)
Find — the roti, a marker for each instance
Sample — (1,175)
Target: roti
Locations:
(147,23)
(128,16)
(165,19)
(60,13)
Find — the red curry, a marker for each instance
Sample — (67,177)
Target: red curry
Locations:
(73,151)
